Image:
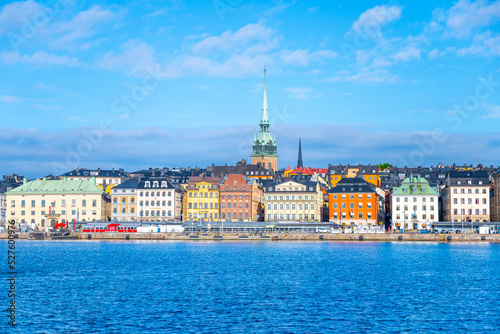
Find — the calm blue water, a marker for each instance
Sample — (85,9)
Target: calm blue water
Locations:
(255,287)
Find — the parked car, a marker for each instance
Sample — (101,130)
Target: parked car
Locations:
(458,232)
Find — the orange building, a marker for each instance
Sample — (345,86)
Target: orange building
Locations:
(353,202)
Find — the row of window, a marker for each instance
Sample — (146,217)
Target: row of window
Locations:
(287,206)
(234,205)
(235,188)
(204,215)
(203,187)
(292,216)
(52,204)
(200,194)
(203,205)
(361,215)
(469,191)
(470,182)
(63,212)
(424,208)
(156,184)
(124,210)
(287,198)
(234,214)
(157,213)
(360,196)
(469,201)
(291,189)
(234,196)
(469,211)
(352,205)
(415,190)
(123,200)
(163,203)
(424,217)
(415,199)
(152,193)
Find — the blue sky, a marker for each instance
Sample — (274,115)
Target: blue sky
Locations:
(173,83)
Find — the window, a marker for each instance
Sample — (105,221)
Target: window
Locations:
(33,203)
(94,203)
(84,202)
(43,204)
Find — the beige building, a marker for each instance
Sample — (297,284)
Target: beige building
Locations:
(46,202)
(293,201)
(466,197)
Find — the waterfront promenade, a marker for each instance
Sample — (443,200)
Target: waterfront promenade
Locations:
(381,237)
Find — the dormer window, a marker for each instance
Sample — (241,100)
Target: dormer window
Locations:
(155,184)
(424,190)
(147,184)
(163,184)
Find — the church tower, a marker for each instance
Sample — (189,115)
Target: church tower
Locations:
(300,164)
(264,147)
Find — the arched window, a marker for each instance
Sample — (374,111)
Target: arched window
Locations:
(163,184)
(147,184)
(155,184)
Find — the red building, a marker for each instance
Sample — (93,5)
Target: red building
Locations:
(240,199)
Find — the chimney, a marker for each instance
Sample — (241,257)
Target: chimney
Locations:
(113,170)
(25,180)
(99,170)
(121,170)
(93,180)
(139,179)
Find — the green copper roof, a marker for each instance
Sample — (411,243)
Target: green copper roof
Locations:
(414,185)
(56,187)
(264,144)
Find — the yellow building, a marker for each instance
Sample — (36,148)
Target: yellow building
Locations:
(201,199)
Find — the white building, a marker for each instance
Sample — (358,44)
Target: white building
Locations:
(146,199)
(467,196)
(415,204)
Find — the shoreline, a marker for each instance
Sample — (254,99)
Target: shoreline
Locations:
(358,237)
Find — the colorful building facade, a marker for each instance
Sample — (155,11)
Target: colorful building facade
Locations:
(353,202)
(414,205)
(43,203)
(201,198)
(293,201)
(240,199)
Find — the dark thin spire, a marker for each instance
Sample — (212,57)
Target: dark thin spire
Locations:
(299,162)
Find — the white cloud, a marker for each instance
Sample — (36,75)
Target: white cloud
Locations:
(302,57)
(16,14)
(407,54)
(493,111)
(371,21)
(135,58)
(248,36)
(465,16)
(38,59)
(9,99)
(365,76)
(299,92)
(76,34)
(42,58)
